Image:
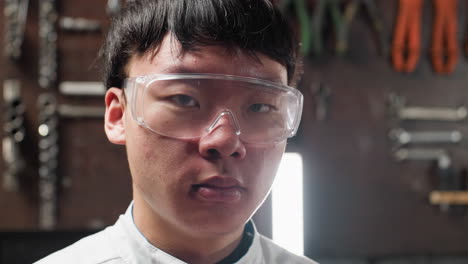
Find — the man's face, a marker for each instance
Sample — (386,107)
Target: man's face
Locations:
(209,185)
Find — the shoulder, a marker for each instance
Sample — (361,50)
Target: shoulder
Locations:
(273,253)
(94,249)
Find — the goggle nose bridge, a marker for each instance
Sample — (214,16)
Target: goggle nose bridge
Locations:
(234,122)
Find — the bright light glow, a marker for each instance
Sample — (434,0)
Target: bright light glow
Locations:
(287,204)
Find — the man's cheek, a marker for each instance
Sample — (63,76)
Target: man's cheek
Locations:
(271,163)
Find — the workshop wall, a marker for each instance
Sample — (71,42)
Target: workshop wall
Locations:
(54,186)
(361,204)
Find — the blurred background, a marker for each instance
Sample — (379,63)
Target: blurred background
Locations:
(383,139)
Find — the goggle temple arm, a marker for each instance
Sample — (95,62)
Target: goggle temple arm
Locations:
(130,92)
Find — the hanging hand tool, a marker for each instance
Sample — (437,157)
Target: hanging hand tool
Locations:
(449,197)
(113,7)
(419,154)
(342,23)
(300,8)
(378,25)
(403,137)
(317,26)
(433,113)
(444,36)
(48,158)
(47,43)
(465,44)
(349,13)
(341,19)
(317,23)
(78,111)
(79,24)
(72,88)
(406,46)
(403,112)
(14,134)
(448,178)
(15,12)
(311,27)
(322,95)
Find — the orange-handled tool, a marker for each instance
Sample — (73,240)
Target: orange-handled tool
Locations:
(406,46)
(444,50)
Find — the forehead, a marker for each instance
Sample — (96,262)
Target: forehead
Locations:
(168,58)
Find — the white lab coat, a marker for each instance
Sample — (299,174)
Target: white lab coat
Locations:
(123,243)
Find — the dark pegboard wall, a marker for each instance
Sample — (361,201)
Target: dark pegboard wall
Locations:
(90,195)
(359,201)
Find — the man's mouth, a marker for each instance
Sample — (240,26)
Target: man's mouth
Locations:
(218,190)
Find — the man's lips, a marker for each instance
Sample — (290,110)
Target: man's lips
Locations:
(218,189)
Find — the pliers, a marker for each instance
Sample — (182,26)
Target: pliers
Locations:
(300,8)
(311,27)
(406,46)
(445,49)
(376,22)
(341,19)
(317,23)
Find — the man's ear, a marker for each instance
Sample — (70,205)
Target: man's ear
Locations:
(114,119)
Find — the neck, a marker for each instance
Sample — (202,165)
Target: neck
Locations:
(187,245)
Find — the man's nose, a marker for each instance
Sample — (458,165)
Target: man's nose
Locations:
(222,138)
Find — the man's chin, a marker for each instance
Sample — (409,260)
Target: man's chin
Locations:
(219,224)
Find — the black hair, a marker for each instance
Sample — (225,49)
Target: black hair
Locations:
(253,26)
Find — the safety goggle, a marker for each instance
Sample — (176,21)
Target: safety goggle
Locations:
(189,106)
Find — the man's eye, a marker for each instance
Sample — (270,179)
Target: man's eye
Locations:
(261,108)
(184,100)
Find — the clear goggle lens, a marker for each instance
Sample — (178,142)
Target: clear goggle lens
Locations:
(188,106)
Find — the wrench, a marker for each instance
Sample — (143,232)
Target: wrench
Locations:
(79,24)
(403,112)
(403,137)
(423,154)
(82,88)
(77,111)
(434,113)
(446,173)
(50,108)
